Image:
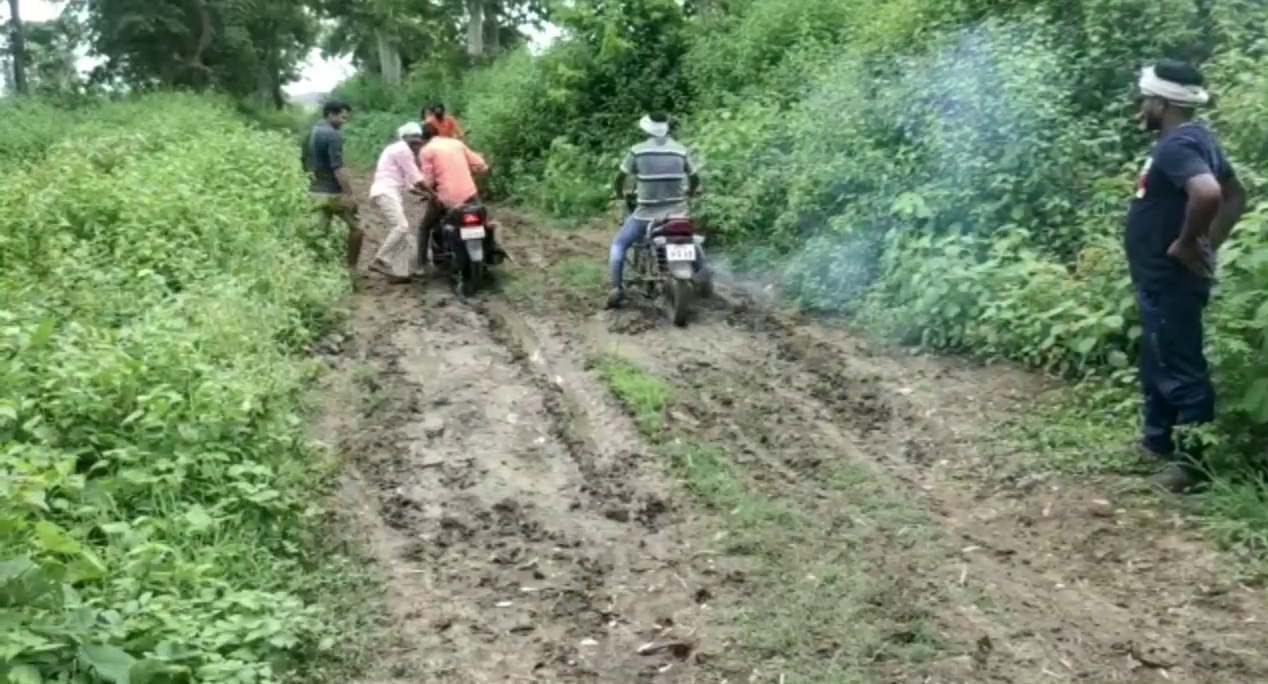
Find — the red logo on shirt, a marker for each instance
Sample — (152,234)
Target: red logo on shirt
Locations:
(1144,174)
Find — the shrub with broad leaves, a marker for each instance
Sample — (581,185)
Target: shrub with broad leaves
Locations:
(159,274)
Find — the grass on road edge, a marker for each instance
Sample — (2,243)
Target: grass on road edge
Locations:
(829,597)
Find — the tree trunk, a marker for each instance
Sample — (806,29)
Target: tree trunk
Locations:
(17,47)
(389,59)
(279,97)
(475,28)
(492,31)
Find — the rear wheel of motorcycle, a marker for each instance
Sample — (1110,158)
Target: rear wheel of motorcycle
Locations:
(679,294)
(469,277)
(704,285)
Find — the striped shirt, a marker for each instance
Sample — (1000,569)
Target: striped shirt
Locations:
(661,167)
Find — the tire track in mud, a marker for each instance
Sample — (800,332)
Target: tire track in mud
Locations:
(1147,591)
(1057,582)
(521,531)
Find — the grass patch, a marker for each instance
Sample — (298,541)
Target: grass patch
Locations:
(583,275)
(707,474)
(521,285)
(349,586)
(1074,433)
(1082,433)
(575,277)
(832,594)
(646,396)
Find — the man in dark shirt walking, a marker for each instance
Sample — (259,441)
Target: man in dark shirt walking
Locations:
(330,187)
(1187,200)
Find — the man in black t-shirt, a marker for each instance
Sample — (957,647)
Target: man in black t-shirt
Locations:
(329,185)
(1187,201)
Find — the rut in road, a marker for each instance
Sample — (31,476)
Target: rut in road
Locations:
(559,494)
(521,526)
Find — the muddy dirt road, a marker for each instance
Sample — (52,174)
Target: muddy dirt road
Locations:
(559,494)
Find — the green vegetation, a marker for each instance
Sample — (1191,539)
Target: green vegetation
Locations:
(583,274)
(646,396)
(160,276)
(951,174)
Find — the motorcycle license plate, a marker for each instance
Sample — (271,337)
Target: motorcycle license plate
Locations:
(680,252)
(471,232)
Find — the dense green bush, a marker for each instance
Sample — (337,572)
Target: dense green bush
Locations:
(155,278)
(33,124)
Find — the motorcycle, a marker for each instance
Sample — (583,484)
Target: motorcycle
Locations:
(464,244)
(663,262)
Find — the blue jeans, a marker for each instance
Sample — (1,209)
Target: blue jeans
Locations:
(631,231)
(1174,376)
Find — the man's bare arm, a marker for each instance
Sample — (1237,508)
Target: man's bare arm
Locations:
(1231,210)
(1205,198)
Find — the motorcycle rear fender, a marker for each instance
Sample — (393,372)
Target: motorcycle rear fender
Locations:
(682,270)
(475,250)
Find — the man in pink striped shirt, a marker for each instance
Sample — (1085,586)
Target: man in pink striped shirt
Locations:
(397,173)
(446,165)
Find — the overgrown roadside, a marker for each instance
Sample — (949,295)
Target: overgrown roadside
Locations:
(161,279)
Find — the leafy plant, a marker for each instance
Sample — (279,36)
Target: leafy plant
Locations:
(156,516)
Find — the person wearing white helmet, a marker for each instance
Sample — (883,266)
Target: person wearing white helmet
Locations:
(397,173)
(666,176)
(1187,201)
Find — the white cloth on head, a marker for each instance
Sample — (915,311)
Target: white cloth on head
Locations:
(410,129)
(1184,95)
(655,129)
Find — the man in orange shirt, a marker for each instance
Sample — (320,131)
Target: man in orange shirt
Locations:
(446,126)
(446,164)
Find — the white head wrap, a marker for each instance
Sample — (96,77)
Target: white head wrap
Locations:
(655,129)
(410,129)
(1184,95)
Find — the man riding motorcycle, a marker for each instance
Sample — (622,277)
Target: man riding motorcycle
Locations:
(447,165)
(662,167)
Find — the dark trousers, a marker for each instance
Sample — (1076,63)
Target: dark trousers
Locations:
(1174,375)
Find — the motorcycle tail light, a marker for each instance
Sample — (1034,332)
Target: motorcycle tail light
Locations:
(679,226)
(470,219)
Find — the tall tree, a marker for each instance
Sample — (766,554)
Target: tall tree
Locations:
(435,31)
(388,37)
(475,28)
(51,54)
(243,47)
(17,47)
